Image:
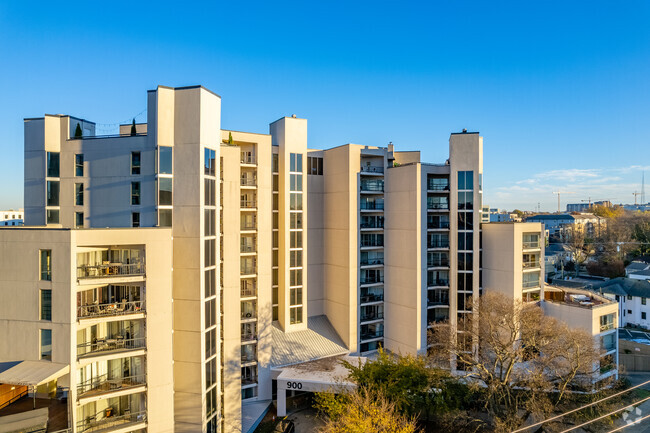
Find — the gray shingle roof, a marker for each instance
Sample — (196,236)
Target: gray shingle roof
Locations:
(625,286)
(637,266)
(319,340)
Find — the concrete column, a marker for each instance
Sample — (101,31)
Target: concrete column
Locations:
(282,402)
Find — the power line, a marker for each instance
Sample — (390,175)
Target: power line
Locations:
(627,425)
(606,415)
(580,408)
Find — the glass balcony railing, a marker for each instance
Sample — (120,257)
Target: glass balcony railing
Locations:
(438,186)
(438,282)
(110,343)
(438,263)
(530,284)
(248,291)
(247,248)
(107,419)
(372,186)
(248,181)
(531,264)
(438,244)
(110,270)
(248,336)
(110,309)
(372,280)
(103,383)
(247,158)
(438,225)
(248,204)
(437,206)
(527,245)
(377,315)
(248,225)
(371,261)
(251,380)
(248,356)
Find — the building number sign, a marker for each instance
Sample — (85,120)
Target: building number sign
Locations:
(294,385)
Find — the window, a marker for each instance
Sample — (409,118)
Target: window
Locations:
(643,301)
(629,297)
(78,219)
(295,162)
(315,166)
(164,217)
(135,193)
(466,200)
(465,180)
(135,163)
(46,305)
(52,216)
(295,315)
(275,164)
(295,239)
(643,315)
(53,164)
(46,265)
(165,191)
(209,195)
(209,162)
(135,219)
(165,160)
(46,344)
(629,311)
(79,194)
(79,164)
(607,321)
(53,192)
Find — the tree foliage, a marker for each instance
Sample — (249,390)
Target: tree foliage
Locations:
(77,131)
(361,411)
(522,361)
(134,131)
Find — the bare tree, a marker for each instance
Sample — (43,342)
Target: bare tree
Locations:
(580,247)
(523,360)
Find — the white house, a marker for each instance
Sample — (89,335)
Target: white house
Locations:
(633,296)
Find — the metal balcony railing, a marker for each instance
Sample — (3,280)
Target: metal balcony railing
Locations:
(246,248)
(248,270)
(371,298)
(437,300)
(248,204)
(438,225)
(371,280)
(249,336)
(372,225)
(372,316)
(438,282)
(110,309)
(372,205)
(104,384)
(372,335)
(607,326)
(249,380)
(110,343)
(247,159)
(438,244)
(531,264)
(248,315)
(248,225)
(247,292)
(110,270)
(248,181)
(437,263)
(248,357)
(527,245)
(102,420)
(372,186)
(438,206)
(372,243)
(437,186)
(371,169)
(369,262)
(530,284)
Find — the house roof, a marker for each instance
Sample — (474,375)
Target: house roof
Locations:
(637,266)
(31,373)
(319,340)
(625,286)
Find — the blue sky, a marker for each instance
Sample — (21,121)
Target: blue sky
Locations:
(559,90)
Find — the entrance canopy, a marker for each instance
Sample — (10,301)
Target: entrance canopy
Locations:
(323,375)
(31,373)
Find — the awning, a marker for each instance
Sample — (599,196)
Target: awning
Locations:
(33,373)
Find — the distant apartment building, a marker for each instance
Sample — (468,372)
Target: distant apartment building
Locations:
(559,224)
(585,207)
(273,255)
(11,218)
(632,296)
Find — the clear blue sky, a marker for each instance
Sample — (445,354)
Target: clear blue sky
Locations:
(559,89)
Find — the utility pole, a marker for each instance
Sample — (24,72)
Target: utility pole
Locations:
(559,193)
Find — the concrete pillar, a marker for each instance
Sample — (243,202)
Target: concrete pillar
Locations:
(282,402)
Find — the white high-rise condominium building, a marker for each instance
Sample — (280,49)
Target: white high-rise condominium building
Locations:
(192,267)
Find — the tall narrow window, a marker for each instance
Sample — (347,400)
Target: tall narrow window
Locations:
(79,219)
(46,265)
(135,162)
(79,164)
(52,216)
(165,217)
(165,160)
(135,193)
(135,219)
(53,192)
(53,159)
(165,191)
(46,344)
(46,305)
(79,194)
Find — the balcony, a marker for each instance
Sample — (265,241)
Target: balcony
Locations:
(248,204)
(371,279)
(376,315)
(106,420)
(530,245)
(371,205)
(111,270)
(530,284)
(531,264)
(439,263)
(437,297)
(247,158)
(372,186)
(372,335)
(248,290)
(247,357)
(437,186)
(247,225)
(438,282)
(252,380)
(371,261)
(248,336)
(438,244)
(248,181)
(372,225)
(437,206)
(371,297)
(109,344)
(102,384)
(438,225)
(110,309)
(368,169)
(247,248)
